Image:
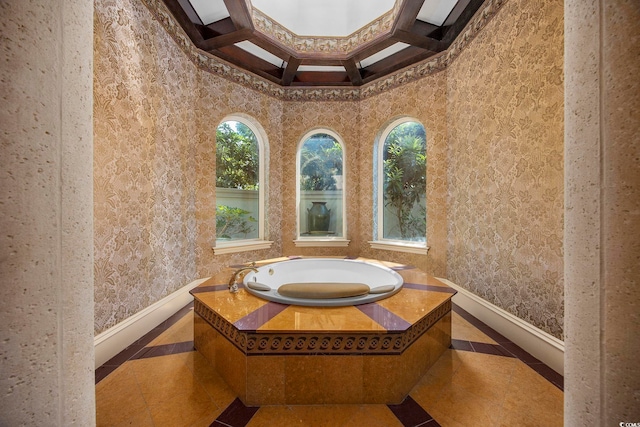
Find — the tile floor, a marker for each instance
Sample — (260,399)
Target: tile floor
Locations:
(483,380)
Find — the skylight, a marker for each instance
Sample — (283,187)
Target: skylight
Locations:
(338,18)
(210,10)
(436,11)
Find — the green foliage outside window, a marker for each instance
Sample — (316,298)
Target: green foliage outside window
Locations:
(237,167)
(231,221)
(236,157)
(320,160)
(405,169)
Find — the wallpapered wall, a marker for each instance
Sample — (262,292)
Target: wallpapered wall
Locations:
(155,115)
(494,173)
(144,196)
(505,124)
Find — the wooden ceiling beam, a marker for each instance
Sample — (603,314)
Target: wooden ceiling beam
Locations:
(240,13)
(290,71)
(325,62)
(422,42)
(183,19)
(353,72)
(222,26)
(408,13)
(321,78)
(394,63)
(219,37)
(227,39)
(424,28)
(452,31)
(361,54)
(244,59)
(265,43)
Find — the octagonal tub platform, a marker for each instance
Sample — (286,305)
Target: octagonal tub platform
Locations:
(279,354)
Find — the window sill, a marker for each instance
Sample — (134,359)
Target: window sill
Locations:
(310,243)
(414,248)
(240,246)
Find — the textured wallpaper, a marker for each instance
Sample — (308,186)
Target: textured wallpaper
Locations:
(492,109)
(155,115)
(144,196)
(505,171)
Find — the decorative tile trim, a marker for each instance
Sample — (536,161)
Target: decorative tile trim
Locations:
(214,65)
(253,343)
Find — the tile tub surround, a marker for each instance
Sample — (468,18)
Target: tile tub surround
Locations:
(164,381)
(275,354)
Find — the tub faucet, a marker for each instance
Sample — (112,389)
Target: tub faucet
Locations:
(233,282)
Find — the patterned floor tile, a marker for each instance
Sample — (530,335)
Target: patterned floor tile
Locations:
(483,379)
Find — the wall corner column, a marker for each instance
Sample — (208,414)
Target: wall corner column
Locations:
(46,205)
(602,212)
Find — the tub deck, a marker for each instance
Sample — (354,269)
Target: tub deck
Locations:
(276,354)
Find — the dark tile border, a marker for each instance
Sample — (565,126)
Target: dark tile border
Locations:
(257,318)
(385,318)
(402,267)
(210,288)
(480,347)
(164,350)
(433,288)
(140,345)
(236,415)
(411,414)
(505,347)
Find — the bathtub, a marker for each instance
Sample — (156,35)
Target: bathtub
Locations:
(323,282)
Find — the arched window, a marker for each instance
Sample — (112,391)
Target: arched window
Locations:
(400,184)
(320,188)
(240,183)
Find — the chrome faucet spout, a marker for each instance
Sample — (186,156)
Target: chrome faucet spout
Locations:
(233,282)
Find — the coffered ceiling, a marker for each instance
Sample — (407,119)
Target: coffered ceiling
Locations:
(323,42)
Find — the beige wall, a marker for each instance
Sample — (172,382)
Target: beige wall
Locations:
(505,163)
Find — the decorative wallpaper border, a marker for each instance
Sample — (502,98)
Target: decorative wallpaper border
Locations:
(254,343)
(336,45)
(414,72)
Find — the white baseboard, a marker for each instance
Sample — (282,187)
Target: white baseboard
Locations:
(115,339)
(541,345)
